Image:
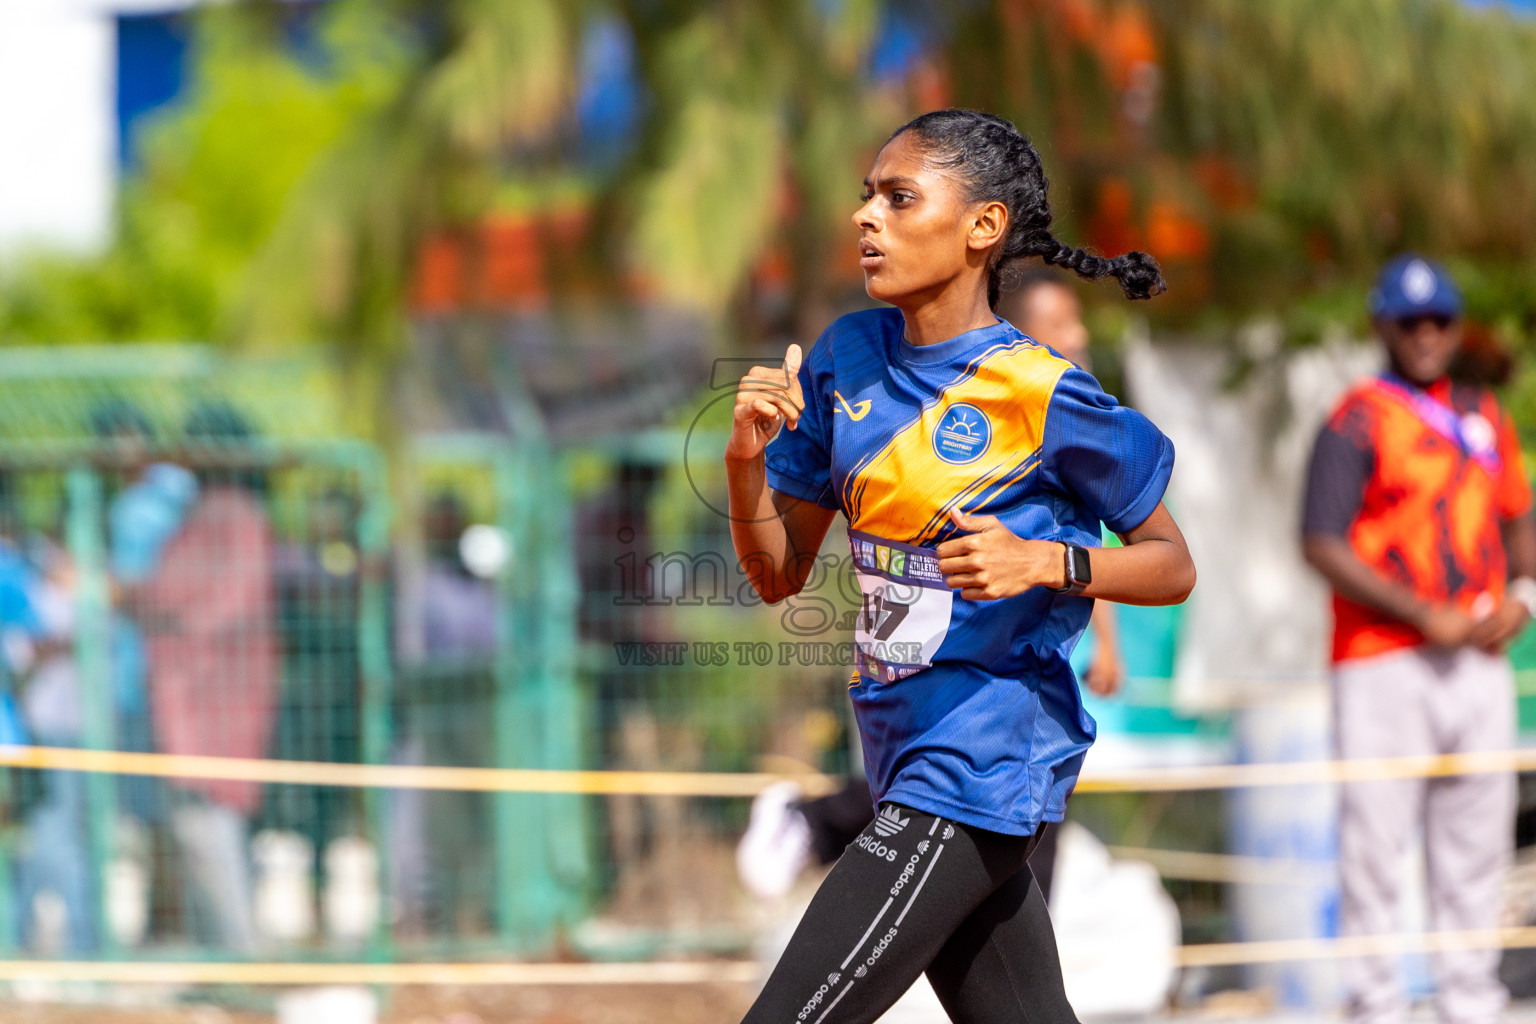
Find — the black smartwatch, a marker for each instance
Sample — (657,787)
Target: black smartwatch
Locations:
(1079,573)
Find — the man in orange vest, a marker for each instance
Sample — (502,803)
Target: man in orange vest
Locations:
(1418,514)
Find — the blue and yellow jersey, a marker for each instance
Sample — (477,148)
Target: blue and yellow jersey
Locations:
(967,709)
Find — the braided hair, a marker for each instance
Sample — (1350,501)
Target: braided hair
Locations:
(995,163)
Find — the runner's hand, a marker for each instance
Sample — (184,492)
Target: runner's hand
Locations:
(991,562)
(1447,626)
(1494,633)
(766,399)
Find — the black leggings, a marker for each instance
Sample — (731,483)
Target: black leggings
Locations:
(917,893)
(837,819)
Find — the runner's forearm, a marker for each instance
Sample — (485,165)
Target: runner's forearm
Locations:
(776,538)
(1153,568)
(1153,571)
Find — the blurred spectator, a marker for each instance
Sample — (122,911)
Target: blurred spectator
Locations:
(141,520)
(1481,360)
(318,591)
(1044,306)
(620,588)
(53,870)
(20,625)
(1418,514)
(458,607)
(613,534)
(439,838)
(214,664)
(51,874)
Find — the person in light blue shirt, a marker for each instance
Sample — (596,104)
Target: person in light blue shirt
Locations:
(145,515)
(20,628)
(141,519)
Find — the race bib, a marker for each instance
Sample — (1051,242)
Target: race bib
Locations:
(906,610)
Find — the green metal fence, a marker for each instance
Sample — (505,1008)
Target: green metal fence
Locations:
(509,699)
(217,574)
(684,671)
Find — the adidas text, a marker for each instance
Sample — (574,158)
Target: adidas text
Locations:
(906,875)
(876,847)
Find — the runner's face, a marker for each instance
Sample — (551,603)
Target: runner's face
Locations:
(1420,347)
(917,232)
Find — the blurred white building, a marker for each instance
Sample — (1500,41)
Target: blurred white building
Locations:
(75,78)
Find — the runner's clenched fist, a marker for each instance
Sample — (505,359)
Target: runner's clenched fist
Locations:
(766,399)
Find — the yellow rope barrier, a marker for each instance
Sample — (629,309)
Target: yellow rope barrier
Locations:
(402,776)
(1228,868)
(724,784)
(738,784)
(1227,953)
(1298,773)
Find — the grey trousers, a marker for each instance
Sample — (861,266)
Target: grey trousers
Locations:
(1409,703)
(213,841)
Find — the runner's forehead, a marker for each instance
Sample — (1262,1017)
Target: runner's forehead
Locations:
(899,163)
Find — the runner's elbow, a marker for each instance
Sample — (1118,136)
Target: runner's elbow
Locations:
(1181,583)
(1318,550)
(774,592)
(1186,583)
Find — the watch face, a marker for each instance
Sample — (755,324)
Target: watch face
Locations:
(1081,572)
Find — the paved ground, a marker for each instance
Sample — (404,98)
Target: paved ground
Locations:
(639,1004)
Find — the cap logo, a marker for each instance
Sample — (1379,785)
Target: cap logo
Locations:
(1418,282)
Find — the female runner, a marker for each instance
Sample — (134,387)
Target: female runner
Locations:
(974,467)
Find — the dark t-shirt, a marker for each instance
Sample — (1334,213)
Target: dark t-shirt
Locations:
(1336,477)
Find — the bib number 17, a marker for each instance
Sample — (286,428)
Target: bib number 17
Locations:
(882,613)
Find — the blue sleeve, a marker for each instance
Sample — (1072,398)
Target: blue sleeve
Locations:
(16,587)
(1110,458)
(799,461)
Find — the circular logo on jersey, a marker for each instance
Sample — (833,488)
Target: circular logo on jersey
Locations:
(1478,433)
(1418,282)
(962,435)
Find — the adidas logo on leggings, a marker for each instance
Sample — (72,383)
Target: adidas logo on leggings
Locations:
(890,822)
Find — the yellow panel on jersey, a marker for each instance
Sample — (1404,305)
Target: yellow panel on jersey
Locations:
(905,491)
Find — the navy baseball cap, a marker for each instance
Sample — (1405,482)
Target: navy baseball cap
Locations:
(1410,285)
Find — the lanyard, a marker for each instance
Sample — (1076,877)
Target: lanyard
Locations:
(1472,433)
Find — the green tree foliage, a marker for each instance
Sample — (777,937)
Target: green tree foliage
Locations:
(759,118)
(1271,154)
(494,78)
(1306,140)
(755,118)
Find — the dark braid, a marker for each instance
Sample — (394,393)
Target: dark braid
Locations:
(995,163)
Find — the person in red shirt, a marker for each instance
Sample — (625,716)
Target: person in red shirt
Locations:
(1418,513)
